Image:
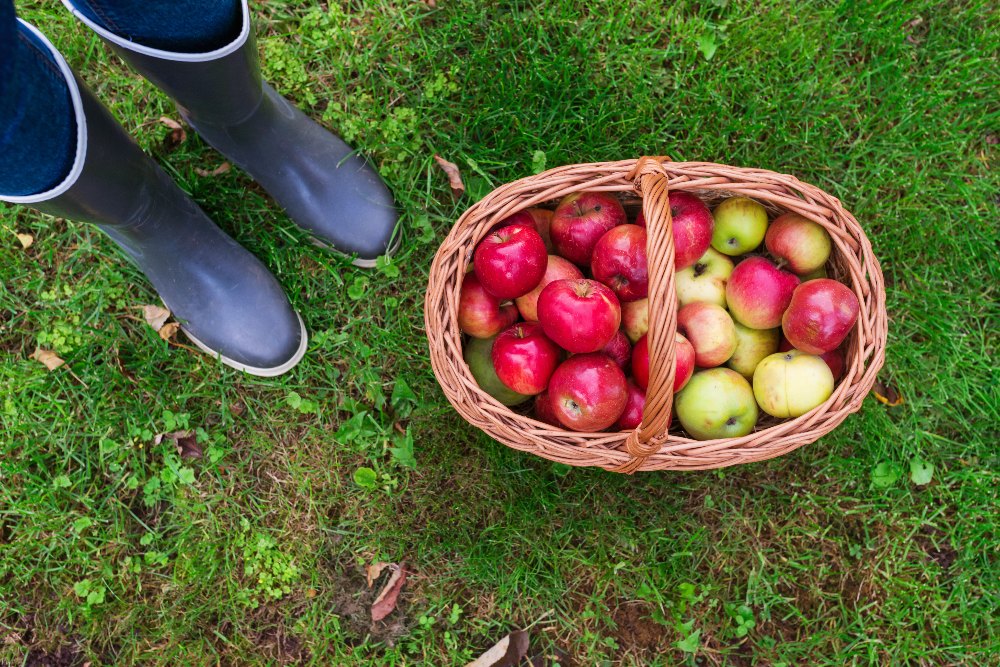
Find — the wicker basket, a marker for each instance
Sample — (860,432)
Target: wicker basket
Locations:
(652,446)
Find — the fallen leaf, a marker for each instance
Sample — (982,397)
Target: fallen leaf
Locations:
(236,409)
(887,393)
(310,593)
(508,652)
(385,603)
(187,444)
(26,240)
(168,330)
(155,316)
(177,134)
(47,357)
(374,571)
(218,171)
(454,177)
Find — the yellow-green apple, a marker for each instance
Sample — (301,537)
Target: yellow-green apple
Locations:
(635,319)
(798,243)
(619,261)
(543,410)
(813,275)
(579,315)
(710,330)
(834,358)
(619,349)
(478,354)
(820,315)
(634,403)
(524,358)
(510,261)
(479,313)
(740,225)
(758,293)
(705,280)
(716,403)
(588,392)
(540,218)
(752,345)
(580,220)
(790,384)
(557,268)
(683,362)
(692,226)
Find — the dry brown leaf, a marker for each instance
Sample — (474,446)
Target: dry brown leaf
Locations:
(310,593)
(47,357)
(187,444)
(385,603)
(886,393)
(177,134)
(26,240)
(374,571)
(508,652)
(155,316)
(168,330)
(454,176)
(218,171)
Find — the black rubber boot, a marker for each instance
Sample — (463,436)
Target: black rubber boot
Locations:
(325,187)
(227,302)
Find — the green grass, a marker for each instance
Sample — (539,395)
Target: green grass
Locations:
(255,553)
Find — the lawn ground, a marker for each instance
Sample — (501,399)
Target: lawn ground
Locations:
(114,550)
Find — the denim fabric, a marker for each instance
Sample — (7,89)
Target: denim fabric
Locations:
(186,26)
(37,124)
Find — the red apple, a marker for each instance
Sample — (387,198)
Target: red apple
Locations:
(539,218)
(634,403)
(635,319)
(683,362)
(556,269)
(821,314)
(710,330)
(619,261)
(834,358)
(524,358)
(692,225)
(758,293)
(801,244)
(580,220)
(543,410)
(479,313)
(619,349)
(588,392)
(510,261)
(580,315)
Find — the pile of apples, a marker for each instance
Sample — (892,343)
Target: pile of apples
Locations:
(556,311)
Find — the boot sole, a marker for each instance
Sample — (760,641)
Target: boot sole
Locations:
(253,370)
(358,261)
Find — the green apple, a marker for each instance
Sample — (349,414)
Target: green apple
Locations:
(705,280)
(740,226)
(478,354)
(790,384)
(717,403)
(752,346)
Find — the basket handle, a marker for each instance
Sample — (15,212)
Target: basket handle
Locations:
(651,182)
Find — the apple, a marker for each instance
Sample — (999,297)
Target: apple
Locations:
(740,225)
(752,345)
(710,330)
(758,293)
(634,403)
(579,222)
(478,353)
(524,358)
(543,410)
(635,319)
(479,313)
(790,384)
(619,349)
(539,218)
(510,261)
(813,275)
(799,243)
(619,261)
(579,315)
(705,280)
(683,362)
(820,315)
(834,358)
(692,226)
(588,392)
(717,403)
(557,268)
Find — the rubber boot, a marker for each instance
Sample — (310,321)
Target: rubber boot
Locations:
(323,185)
(227,302)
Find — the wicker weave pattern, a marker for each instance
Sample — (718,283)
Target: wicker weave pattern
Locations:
(651,446)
